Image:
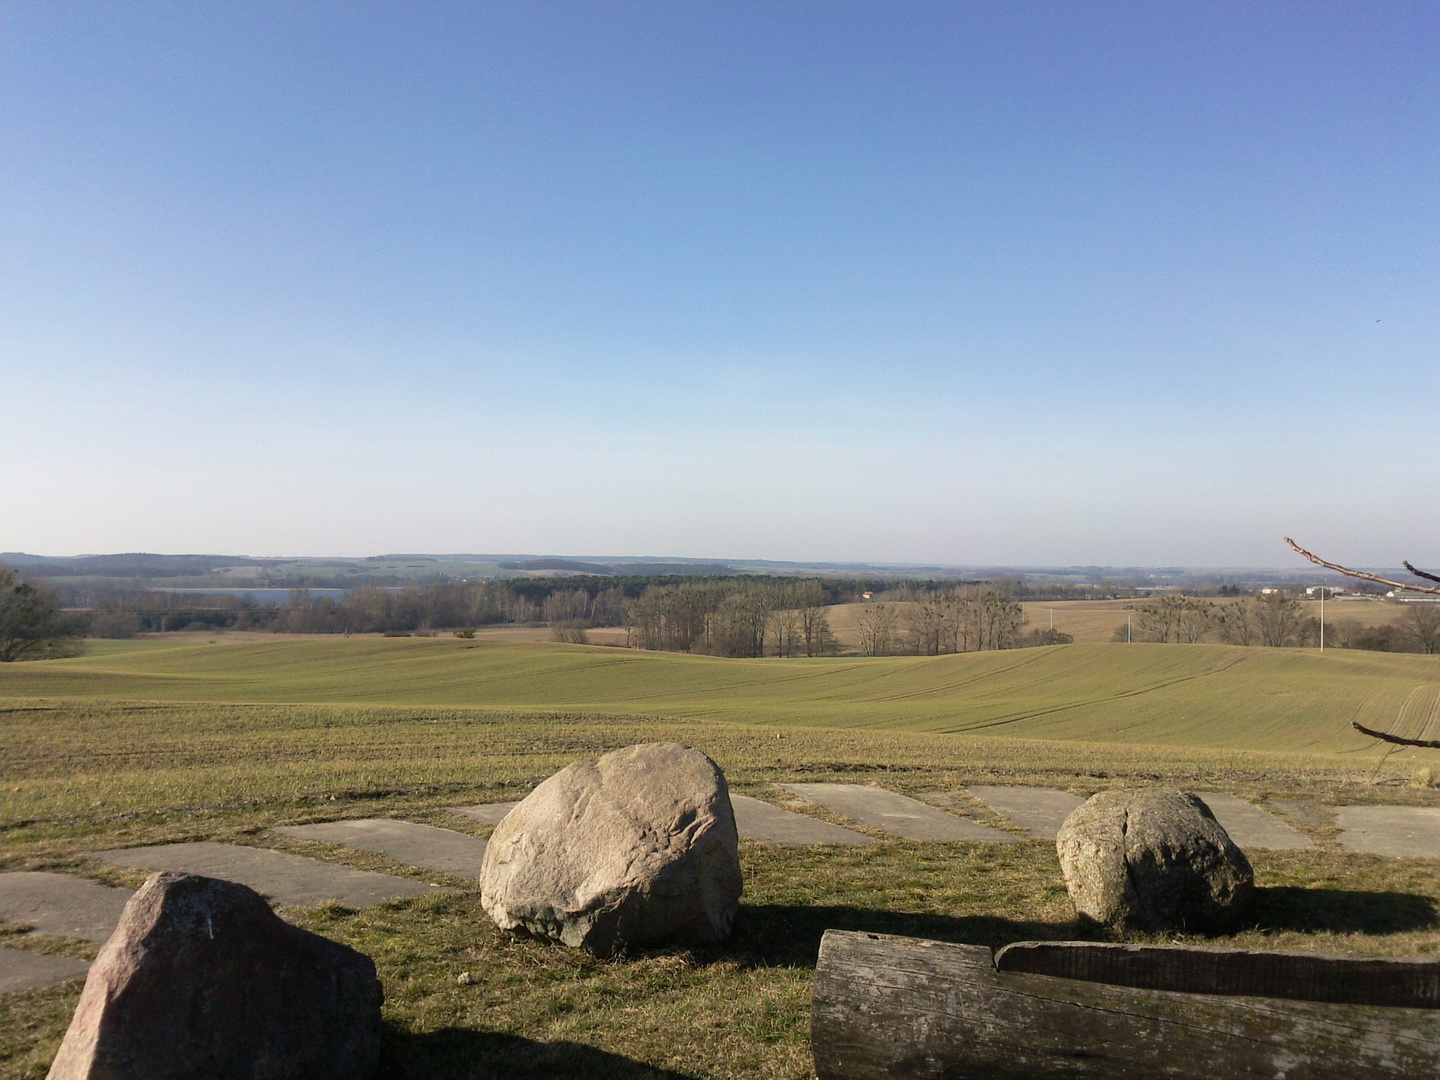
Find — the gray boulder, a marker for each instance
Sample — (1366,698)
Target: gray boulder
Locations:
(636,848)
(1153,859)
(202,980)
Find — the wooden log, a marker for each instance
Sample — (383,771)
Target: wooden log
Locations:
(893,1007)
(1405,982)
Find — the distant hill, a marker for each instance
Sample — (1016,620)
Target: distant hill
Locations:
(147,570)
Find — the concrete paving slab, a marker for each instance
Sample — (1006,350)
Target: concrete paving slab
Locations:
(425,846)
(768,824)
(1041,810)
(1401,831)
(1251,827)
(279,877)
(24,970)
(62,904)
(896,814)
(490,813)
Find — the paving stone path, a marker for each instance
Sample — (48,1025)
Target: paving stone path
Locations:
(1400,831)
(1251,827)
(280,878)
(54,904)
(61,904)
(490,813)
(424,846)
(769,824)
(754,820)
(21,969)
(1041,810)
(896,814)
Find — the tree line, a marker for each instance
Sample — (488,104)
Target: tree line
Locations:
(1277,620)
(731,616)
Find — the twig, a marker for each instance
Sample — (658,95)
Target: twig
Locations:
(1431,744)
(1432,589)
(1418,573)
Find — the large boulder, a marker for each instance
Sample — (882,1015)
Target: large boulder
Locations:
(202,980)
(636,848)
(1153,859)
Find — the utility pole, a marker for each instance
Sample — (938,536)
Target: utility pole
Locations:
(1128,638)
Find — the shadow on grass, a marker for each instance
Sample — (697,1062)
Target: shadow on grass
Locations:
(1342,911)
(788,935)
(483,1055)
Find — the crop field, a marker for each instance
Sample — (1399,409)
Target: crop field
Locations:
(155,741)
(1165,695)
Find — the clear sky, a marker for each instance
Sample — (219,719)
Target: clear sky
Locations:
(963,283)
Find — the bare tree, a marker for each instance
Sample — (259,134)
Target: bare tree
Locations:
(1194,621)
(927,624)
(1421,626)
(785,629)
(1278,619)
(877,629)
(1236,625)
(814,622)
(991,620)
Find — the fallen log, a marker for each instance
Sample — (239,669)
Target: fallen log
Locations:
(894,1007)
(1405,982)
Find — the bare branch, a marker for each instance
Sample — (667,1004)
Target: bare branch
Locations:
(1432,589)
(1418,573)
(1432,744)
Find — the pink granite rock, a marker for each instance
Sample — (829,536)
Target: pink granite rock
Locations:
(202,979)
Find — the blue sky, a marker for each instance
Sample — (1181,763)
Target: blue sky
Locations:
(972,283)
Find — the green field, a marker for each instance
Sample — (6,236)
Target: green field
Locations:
(1216,696)
(156,741)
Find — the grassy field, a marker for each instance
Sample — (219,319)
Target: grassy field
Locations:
(163,740)
(1166,695)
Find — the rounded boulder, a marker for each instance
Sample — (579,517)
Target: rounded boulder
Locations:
(636,848)
(1153,859)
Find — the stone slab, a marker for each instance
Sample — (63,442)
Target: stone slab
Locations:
(490,813)
(1251,827)
(1041,810)
(896,814)
(62,904)
(279,877)
(768,824)
(425,846)
(24,970)
(1401,831)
